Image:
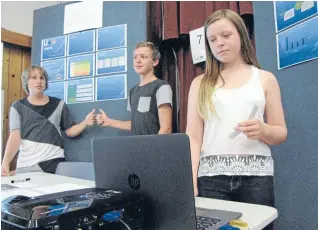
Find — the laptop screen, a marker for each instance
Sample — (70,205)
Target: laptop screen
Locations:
(158,166)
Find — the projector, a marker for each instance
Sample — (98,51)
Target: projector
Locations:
(84,209)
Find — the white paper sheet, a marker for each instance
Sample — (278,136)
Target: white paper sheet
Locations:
(59,188)
(235,133)
(197,45)
(83,16)
(24,185)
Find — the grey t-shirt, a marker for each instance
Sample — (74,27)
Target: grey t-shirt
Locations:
(40,127)
(143,102)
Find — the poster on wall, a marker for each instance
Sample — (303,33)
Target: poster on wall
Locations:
(287,13)
(55,69)
(80,66)
(111,61)
(84,15)
(53,47)
(298,44)
(56,89)
(79,91)
(111,87)
(112,37)
(81,42)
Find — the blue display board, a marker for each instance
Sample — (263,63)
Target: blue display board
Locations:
(288,13)
(80,66)
(298,44)
(72,62)
(111,87)
(56,89)
(112,37)
(81,42)
(79,91)
(111,61)
(53,47)
(55,69)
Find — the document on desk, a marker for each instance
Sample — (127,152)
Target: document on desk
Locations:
(25,192)
(7,187)
(24,185)
(60,188)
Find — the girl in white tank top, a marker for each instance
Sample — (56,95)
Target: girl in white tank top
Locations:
(228,135)
(227,151)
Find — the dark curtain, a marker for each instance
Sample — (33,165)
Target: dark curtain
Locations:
(169,24)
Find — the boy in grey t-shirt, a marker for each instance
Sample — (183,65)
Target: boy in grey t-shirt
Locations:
(150,102)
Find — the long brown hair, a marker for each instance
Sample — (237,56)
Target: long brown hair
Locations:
(212,70)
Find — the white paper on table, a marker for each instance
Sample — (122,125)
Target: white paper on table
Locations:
(24,185)
(7,187)
(78,16)
(60,188)
(15,192)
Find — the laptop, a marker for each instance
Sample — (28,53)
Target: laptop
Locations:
(159,167)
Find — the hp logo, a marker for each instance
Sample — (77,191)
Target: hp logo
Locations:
(134,182)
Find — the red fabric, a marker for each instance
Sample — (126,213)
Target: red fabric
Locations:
(170,22)
(245,8)
(168,26)
(192,16)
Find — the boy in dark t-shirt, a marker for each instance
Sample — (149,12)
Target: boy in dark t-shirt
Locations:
(150,102)
(36,125)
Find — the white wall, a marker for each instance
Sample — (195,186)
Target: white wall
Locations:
(17,16)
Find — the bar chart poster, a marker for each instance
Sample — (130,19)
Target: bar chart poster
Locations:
(288,13)
(79,91)
(53,47)
(55,69)
(80,66)
(56,89)
(81,42)
(111,87)
(112,37)
(111,61)
(298,44)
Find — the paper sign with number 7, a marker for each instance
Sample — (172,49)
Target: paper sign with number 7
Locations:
(197,45)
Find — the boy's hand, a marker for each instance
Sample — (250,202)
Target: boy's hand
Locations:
(103,119)
(5,170)
(90,118)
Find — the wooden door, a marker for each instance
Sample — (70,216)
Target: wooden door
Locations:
(15,60)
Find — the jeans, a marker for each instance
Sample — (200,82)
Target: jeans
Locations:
(247,189)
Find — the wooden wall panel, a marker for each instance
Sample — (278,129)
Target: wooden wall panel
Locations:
(15,60)
(15,38)
(5,87)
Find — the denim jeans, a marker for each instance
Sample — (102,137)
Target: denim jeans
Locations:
(247,189)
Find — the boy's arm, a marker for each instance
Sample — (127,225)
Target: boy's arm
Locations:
(165,118)
(75,130)
(104,120)
(164,104)
(12,148)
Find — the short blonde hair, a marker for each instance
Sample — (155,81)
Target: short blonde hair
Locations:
(155,52)
(27,73)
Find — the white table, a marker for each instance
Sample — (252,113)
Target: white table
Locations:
(257,216)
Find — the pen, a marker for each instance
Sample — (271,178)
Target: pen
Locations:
(20,180)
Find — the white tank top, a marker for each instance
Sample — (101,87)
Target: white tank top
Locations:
(222,145)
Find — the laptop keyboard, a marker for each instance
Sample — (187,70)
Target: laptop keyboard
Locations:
(206,222)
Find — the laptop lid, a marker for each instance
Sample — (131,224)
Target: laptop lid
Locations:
(158,166)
